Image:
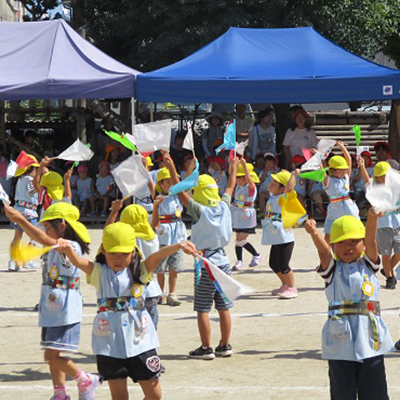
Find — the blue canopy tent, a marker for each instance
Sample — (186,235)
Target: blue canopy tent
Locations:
(270,66)
(49,60)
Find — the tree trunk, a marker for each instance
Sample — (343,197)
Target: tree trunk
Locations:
(394,129)
(281,126)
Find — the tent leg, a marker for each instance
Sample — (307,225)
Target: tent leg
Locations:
(81,121)
(3,125)
(133,113)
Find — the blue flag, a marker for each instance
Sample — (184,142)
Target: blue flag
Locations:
(187,183)
(229,138)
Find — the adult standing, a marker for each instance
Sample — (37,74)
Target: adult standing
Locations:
(244,123)
(213,136)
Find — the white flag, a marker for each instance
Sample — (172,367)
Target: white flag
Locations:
(4,196)
(152,136)
(325,146)
(78,151)
(361,149)
(188,142)
(231,288)
(131,176)
(11,169)
(240,147)
(313,163)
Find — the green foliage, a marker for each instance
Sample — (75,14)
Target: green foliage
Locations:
(154,33)
(38,8)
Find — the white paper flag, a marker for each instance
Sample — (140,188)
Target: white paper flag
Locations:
(313,163)
(11,169)
(78,151)
(131,176)
(4,196)
(325,146)
(188,142)
(152,136)
(240,147)
(360,149)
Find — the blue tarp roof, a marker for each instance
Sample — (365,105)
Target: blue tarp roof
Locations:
(270,66)
(49,60)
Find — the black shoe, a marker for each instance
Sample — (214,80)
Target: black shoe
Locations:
(202,354)
(383,272)
(162,369)
(223,351)
(36,308)
(397,345)
(391,283)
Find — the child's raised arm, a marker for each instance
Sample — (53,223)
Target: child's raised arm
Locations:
(67,185)
(364,172)
(324,251)
(346,154)
(79,262)
(292,181)
(233,165)
(116,205)
(252,185)
(371,227)
(36,179)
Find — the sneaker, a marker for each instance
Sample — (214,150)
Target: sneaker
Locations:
(36,308)
(172,300)
(162,300)
(289,293)
(202,354)
(277,292)
(223,351)
(59,397)
(32,265)
(162,369)
(86,389)
(255,260)
(104,215)
(391,283)
(239,266)
(12,266)
(383,272)
(397,345)
(91,214)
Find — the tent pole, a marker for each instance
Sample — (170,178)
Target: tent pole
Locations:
(3,125)
(80,121)
(133,112)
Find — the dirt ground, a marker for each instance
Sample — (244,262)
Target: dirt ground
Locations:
(276,342)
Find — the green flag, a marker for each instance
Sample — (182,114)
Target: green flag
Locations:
(121,139)
(318,175)
(357,133)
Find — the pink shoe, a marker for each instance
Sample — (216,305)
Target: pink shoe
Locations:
(277,292)
(87,389)
(255,260)
(60,397)
(289,293)
(239,266)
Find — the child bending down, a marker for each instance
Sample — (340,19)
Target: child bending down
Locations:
(354,338)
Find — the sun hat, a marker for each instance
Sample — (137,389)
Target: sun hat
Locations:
(381,168)
(347,227)
(119,238)
(250,167)
(136,216)
(52,181)
(206,191)
(282,177)
(338,162)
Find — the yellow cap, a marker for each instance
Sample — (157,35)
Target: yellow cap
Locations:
(250,167)
(136,216)
(70,214)
(347,227)
(53,182)
(149,161)
(162,174)
(206,191)
(119,238)
(21,171)
(338,162)
(282,177)
(381,168)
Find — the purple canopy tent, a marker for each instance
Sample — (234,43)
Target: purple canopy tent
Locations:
(49,60)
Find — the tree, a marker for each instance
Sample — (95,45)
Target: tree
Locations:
(38,8)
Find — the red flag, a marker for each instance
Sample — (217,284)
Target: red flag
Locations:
(25,160)
(306,153)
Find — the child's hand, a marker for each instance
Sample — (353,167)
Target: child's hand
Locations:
(311,226)
(45,161)
(63,246)
(243,162)
(373,214)
(116,205)
(189,248)
(296,172)
(340,144)
(12,214)
(168,161)
(361,162)
(144,162)
(314,150)
(158,200)
(68,174)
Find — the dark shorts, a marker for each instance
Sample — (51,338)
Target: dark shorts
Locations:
(144,367)
(250,231)
(279,257)
(62,338)
(33,221)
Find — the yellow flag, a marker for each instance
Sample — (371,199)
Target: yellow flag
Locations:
(292,210)
(22,253)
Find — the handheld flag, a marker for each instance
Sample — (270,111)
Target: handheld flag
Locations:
(228,287)
(318,175)
(152,136)
(4,196)
(11,170)
(188,142)
(131,176)
(78,151)
(25,160)
(306,153)
(123,139)
(325,146)
(361,149)
(313,163)
(23,253)
(229,138)
(357,133)
(292,211)
(188,183)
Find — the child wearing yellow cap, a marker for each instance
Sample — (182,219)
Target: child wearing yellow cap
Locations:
(124,339)
(281,240)
(26,202)
(170,229)
(211,232)
(337,187)
(388,235)
(244,218)
(60,306)
(354,338)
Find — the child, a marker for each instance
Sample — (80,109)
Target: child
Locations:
(318,196)
(85,188)
(26,202)
(336,186)
(104,191)
(244,220)
(167,221)
(388,235)
(280,239)
(217,171)
(358,181)
(259,164)
(270,168)
(382,151)
(113,155)
(60,307)
(124,339)
(354,338)
(186,162)
(301,188)
(211,232)
(5,183)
